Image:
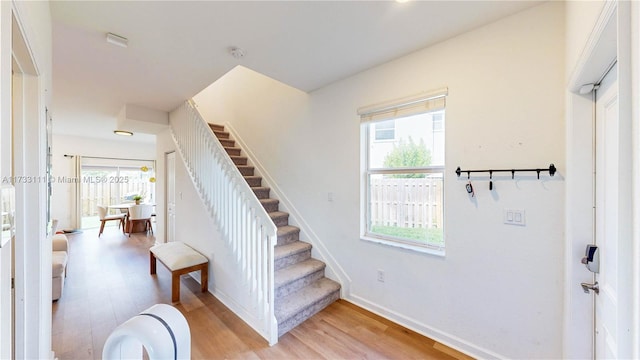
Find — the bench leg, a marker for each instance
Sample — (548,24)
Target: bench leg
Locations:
(204,277)
(175,287)
(152,263)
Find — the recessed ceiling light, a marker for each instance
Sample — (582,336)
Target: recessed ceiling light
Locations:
(402,1)
(117,40)
(123,132)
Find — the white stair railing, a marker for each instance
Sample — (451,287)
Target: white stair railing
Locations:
(249,231)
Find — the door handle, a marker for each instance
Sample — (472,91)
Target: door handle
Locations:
(586,287)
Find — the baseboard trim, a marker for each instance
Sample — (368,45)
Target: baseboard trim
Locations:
(442,337)
(239,311)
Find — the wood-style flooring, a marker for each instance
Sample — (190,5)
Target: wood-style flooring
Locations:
(108,282)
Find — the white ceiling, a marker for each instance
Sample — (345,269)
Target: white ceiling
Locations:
(177,48)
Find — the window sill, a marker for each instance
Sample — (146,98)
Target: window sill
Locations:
(406,246)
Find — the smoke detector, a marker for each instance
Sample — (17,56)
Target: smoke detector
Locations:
(236,52)
(117,40)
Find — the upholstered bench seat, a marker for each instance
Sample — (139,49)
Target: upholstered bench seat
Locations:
(180,259)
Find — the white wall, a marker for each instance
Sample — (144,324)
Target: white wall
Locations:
(62,198)
(26,34)
(635,94)
(581,18)
(499,290)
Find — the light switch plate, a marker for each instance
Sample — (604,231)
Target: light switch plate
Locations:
(514,217)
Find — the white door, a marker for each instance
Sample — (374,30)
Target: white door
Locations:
(6,301)
(609,314)
(170,161)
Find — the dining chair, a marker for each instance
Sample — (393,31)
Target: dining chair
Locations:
(104,217)
(138,213)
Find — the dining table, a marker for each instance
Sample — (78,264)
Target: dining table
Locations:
(138,226)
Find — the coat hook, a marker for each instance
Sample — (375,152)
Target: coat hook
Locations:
(490,180)
(551,169)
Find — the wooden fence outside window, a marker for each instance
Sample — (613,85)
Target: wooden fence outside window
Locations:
(406,202)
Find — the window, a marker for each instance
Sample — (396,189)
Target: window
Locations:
(385,130)
(438,122)
(404,175)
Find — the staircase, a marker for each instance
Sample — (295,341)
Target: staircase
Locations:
(301,289)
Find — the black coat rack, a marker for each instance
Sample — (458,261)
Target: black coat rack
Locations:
(551,169)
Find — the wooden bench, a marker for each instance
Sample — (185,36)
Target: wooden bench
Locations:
(180,259)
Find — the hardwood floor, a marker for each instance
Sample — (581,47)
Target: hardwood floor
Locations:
(108,282)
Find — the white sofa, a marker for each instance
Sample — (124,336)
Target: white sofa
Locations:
(59,257)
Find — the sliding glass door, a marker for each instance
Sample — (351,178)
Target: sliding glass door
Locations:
(110,182)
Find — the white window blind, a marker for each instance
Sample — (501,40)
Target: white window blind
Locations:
(410,105)
(111,162)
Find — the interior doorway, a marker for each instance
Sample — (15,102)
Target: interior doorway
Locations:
(24,162)
(170,181)
(112,182)
(600,188)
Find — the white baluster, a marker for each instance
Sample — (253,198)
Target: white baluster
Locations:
(245,225)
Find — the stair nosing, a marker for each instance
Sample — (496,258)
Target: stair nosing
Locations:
(297,271)
(294,248)
(285,229)
(278,213)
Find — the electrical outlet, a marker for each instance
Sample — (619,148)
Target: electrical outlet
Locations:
(381,275)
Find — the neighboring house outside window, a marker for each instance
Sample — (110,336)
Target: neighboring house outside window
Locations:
(404,175)
(385,130)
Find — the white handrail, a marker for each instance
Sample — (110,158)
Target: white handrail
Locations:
(247,228)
